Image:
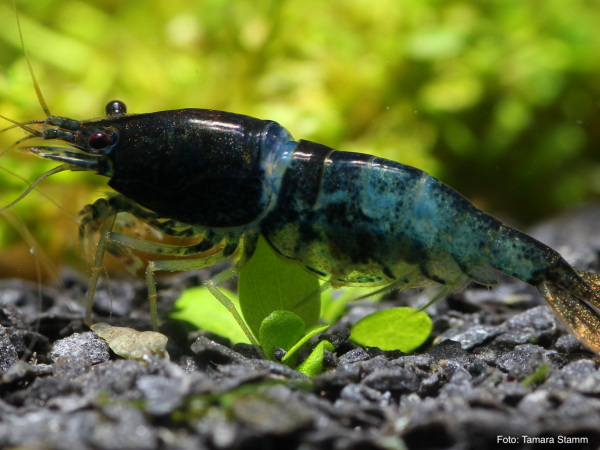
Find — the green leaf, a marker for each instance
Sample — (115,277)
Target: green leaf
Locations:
(200,308)
(313,365)
(393,329)
(269,283)
(308,335)
(538,376)
(282,329)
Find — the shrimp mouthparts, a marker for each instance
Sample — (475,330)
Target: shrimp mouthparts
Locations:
(74,160)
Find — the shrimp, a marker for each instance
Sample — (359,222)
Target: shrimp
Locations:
(350,219)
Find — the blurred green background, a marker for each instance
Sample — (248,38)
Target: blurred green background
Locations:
(498,98)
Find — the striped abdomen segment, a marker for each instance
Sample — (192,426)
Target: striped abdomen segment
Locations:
(351,217)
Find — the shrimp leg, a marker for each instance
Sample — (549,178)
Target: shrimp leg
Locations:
(93,216)
(129,242)
(108,238)
(107,226)
(96,213)
(231,245)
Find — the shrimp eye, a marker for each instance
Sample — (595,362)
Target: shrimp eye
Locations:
(115,108)
(99,140)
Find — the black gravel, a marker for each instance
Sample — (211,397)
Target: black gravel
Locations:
(499,372)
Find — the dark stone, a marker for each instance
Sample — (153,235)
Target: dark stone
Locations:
(211,352)
(512,392)
(71,366)
(451,367)
(246,350)
(581,376)
(336,339)
(27,342)
(480,427)
(364,395)
(393,354)
(568,344)
(8,353)
(432,384)
(491,353)
(273,412)
(162,395)
(433,434)
(555,359)
(346,347)
(124,427)
(523,360)
(200,383)
(49,429)
(537,404)
(12,317)
(85,345)
(38,393)
(421,361)
(115,379)
(534,326)
(279,353)
(336,380)
(476,336)
(276,368)
(477,367)
(358,354)
(372,352)
(374,364)
(448,350)
(398,381)
(22,371)
(330,360)
(459,385)
(194,335)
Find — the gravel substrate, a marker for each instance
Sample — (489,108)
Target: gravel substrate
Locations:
(498,372)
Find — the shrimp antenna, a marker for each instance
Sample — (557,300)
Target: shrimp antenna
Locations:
(35,83)
(58,205)
(34,184)
(21,126)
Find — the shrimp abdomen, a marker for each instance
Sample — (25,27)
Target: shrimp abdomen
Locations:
(360,220)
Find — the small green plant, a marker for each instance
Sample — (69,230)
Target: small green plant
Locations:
(268,283)
(198,307)
(538,376)
(393,329)
(286,330)
(271,294)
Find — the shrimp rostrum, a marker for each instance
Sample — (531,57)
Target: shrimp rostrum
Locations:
(348,218)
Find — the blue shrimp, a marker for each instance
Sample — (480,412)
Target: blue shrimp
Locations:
(350,219)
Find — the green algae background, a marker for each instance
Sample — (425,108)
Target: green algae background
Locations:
(500,99)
